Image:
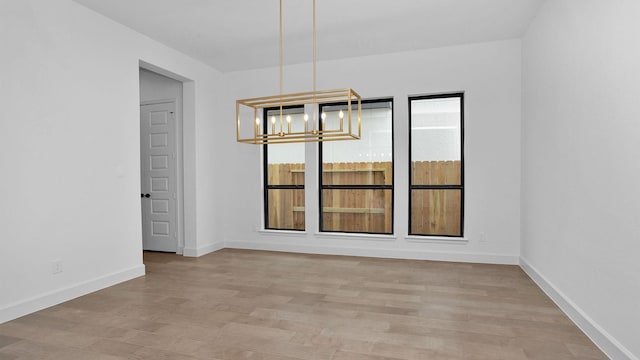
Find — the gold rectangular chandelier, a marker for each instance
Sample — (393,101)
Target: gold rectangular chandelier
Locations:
(253,126)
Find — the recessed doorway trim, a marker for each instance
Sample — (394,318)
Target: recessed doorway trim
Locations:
(186,131)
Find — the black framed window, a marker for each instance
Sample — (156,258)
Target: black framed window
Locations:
(284,166)
(436,165)
(356,176)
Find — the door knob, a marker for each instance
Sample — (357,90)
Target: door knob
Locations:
(147,195)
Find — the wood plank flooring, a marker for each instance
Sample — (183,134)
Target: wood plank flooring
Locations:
(238,304)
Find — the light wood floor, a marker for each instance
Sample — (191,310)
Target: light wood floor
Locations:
(236,304)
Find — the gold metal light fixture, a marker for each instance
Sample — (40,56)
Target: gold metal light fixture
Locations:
(251,127)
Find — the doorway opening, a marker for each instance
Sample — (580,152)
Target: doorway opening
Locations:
(161,163)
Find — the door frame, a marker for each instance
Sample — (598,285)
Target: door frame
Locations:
(178,137)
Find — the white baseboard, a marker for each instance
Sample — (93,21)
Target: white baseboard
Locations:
(378,252)
(58,296)
(607,343)
(195,252)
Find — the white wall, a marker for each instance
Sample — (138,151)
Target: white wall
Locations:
(488,73)
(69,151)
(581,133)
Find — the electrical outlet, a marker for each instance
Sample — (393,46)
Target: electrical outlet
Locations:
(56,267)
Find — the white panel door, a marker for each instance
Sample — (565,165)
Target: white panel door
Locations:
(158,176)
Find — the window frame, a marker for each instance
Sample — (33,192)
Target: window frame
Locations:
(322,186)
(459,187)
(265,174)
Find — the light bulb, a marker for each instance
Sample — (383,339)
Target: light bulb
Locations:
(288,118)
(341,114)
(324,116)
(306,117)
(273,119)
(257,121)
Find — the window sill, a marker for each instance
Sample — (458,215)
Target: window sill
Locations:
(355,236)
(437,239)
(288,233)
(367,237)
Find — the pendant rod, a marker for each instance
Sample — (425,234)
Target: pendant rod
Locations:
(315,102)
(314,45)
(281,64)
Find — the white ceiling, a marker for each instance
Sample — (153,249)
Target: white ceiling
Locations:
(243,34)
